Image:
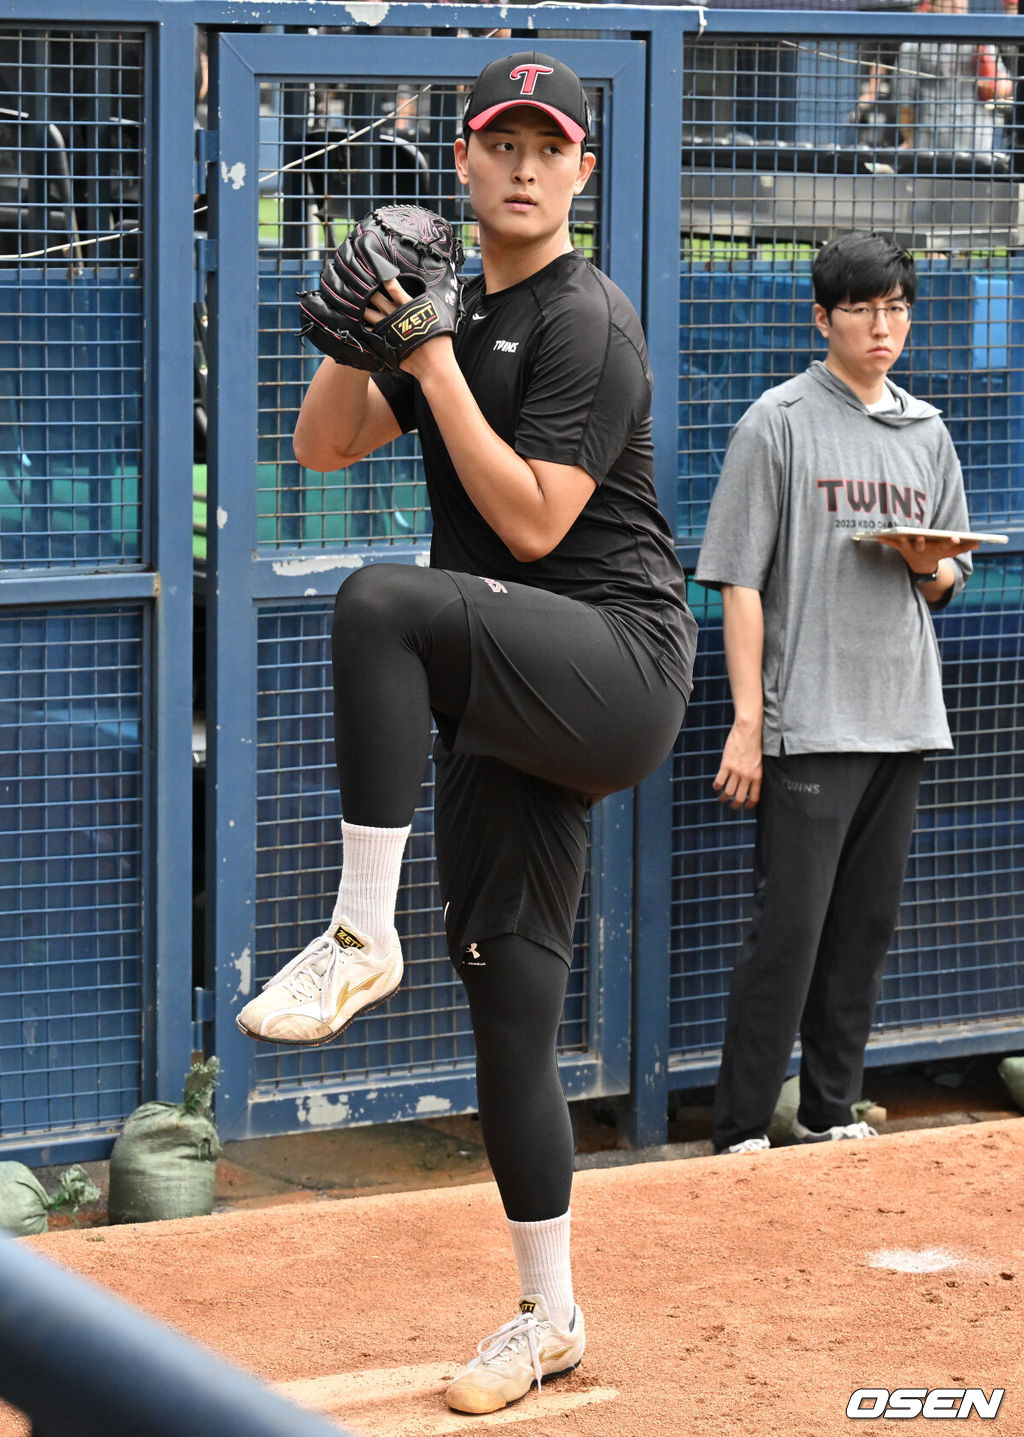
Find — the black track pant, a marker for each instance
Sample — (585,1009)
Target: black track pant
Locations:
(833,834)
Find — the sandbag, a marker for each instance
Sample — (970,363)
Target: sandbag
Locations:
(164,1162)
(785,1112)
(1011,1070)
(24,1206)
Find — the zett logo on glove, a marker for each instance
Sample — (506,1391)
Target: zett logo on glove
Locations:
(417,320)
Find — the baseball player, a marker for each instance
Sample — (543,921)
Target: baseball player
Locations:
(550,639)
(836,689)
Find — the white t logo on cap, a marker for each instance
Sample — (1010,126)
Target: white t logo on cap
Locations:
(528,74)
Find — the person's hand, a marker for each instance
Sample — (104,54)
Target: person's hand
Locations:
(385,303)
(386,300)
(922,554)
(395,242)
(738,780)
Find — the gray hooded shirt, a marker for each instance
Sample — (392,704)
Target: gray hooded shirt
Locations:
(850,663)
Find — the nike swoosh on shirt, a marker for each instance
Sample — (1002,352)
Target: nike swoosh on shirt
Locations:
(480,316)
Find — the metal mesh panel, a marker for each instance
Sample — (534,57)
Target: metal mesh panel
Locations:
(424,1026)
(71,138)
(966,355)
(786,143)
(956,956)
(70,868)
(328,155)
(711,852)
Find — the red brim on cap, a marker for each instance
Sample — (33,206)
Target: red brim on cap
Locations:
(569,128)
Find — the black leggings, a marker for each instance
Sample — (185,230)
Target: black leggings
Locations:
(399,648)
(515,1001)
(564,693)
(389,672)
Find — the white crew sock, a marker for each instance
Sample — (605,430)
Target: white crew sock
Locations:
(542,1256)
(371,865)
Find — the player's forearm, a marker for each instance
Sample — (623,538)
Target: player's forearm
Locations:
(332,418)
(743,633)
(501,484)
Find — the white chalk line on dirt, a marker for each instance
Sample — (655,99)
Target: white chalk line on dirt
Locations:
(928,1259)
(409,1401)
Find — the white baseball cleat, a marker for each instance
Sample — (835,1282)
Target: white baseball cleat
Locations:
(526,1350)
(749,1145)
(338,976)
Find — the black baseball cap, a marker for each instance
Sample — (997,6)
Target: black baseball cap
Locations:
(530,78)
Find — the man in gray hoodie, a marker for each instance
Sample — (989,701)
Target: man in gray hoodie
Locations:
(836,687)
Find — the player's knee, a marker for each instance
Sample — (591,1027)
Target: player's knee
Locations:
(384,604)
(371,604)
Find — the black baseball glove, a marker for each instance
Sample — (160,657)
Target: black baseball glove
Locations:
(403,242)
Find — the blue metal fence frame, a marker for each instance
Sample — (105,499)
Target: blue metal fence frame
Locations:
(160,585)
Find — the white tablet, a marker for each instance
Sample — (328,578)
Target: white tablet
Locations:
(909,531)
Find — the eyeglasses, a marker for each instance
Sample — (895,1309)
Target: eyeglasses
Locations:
(895,313)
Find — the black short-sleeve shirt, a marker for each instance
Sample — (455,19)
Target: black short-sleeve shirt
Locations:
(558,365)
